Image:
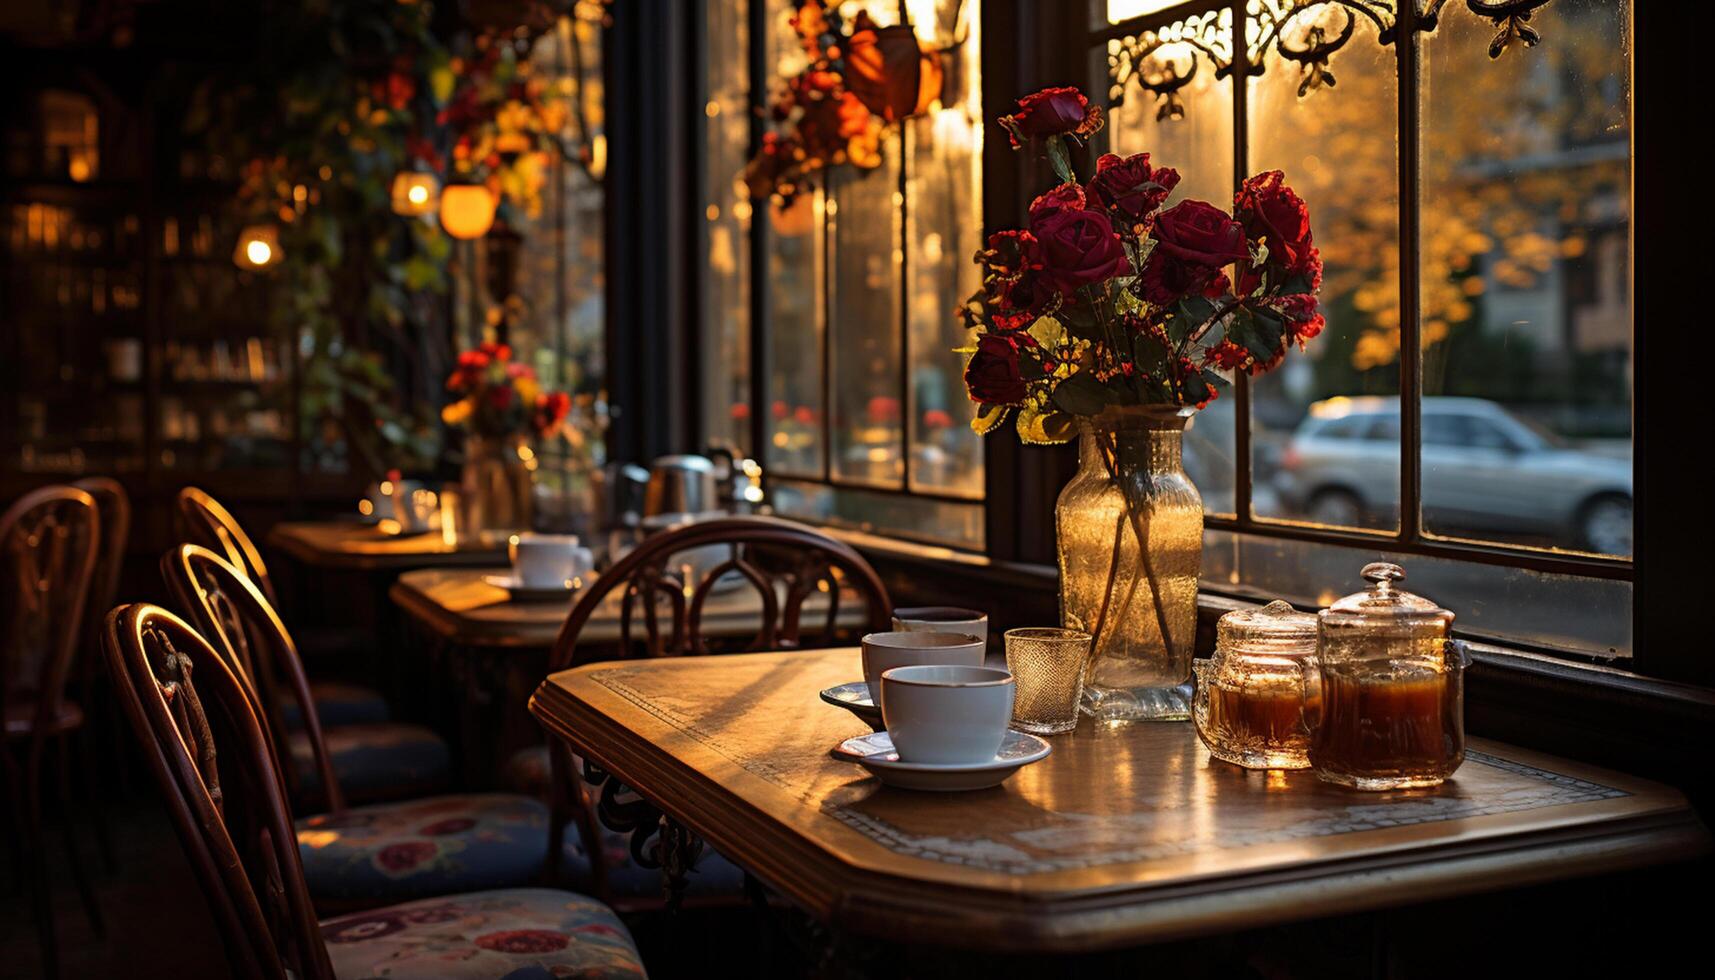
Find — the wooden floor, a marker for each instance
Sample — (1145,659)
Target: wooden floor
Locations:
(157,923)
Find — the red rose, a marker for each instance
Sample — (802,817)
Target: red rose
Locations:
(1272,212)
(1066,197)
(1078,248)
(1014,279)
(1200,233)
(524,941)
(1050,112)
(1130,187)
(993,376)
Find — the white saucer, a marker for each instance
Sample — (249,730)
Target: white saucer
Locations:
(519,592)
(854,697)
(875,753)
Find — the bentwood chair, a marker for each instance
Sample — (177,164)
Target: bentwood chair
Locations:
(365,855)
(50,541)
(113,506)
(197,725)
(784,563)
(203,520)
(328,763)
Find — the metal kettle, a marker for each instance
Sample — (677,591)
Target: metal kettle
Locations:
(681,484)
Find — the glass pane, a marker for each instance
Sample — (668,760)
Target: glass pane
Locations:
(1199,144)
(958,525)
(795,336)
(1325,425)
(1119,11)
(1527,318)
(863,319)
(1583,615)
(726,230)
(943,222)
(795,298)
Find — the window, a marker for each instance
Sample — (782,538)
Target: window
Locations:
(828,320)
(547,283)
(1468,407)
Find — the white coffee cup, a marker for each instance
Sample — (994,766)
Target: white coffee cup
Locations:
(944,715)
(548,561)
(885,651)
(942,619)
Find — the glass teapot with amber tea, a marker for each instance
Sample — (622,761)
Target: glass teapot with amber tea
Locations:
(1252,694)
(1392,712)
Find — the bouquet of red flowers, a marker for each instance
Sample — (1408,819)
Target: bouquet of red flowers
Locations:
(499,397)
(1107,300)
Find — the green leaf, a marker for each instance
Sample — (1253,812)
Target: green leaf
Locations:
(1256,330)
(1080,321)
(987,417)
(1082,394)
(1187,315)
(1149,355)
(1058,156)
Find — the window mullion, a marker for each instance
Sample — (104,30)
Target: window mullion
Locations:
(902,235)
(1410,341)
(756,12)
(1241,166)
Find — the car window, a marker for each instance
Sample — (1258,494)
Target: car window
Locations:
(1486,435)
(1385,428)
(1349,427)
(1445,430)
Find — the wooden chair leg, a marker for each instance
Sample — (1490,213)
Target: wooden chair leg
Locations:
(80,877)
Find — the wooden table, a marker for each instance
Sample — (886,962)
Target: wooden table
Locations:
(457,605)
(1124,835)
(353,545)
(477,655)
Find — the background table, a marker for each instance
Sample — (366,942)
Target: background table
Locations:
(364,547)
(1123,835)
(482,654)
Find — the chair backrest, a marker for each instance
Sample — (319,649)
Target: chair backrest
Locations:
(238,620)
(113,506)
(784,562)
(49,541)
(199,734)
(204,521)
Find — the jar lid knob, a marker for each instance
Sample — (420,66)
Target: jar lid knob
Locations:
(1383,574)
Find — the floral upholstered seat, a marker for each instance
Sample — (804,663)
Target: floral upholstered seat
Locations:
(392,852)
(386,761)
(520,934)
(338,703)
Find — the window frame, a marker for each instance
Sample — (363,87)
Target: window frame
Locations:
(1410,537)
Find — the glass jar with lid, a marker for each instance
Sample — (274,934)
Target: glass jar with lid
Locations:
(1392,713)
(1252,694)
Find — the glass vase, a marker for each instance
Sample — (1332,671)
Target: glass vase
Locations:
(1130,541)
(496,484)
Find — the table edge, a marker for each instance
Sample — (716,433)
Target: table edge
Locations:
(876,902)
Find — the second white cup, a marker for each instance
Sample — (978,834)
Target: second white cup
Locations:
(548,561)
(885,651)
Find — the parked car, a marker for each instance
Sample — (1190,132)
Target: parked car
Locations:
(1485,471)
